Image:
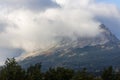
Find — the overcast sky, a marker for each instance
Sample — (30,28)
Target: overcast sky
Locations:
(27,25)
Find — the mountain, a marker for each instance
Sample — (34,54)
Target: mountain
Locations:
(92,53)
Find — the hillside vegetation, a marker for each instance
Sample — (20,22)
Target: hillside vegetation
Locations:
(13,71)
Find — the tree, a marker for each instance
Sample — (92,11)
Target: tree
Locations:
(59,74)
(82,75)
(108,74)
(34,72)
(12,71)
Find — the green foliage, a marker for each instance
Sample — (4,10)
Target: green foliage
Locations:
(34,72)
(59,74)
(13,71)
(108,74)
(82,75)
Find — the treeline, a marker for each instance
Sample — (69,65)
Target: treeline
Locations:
(13,71)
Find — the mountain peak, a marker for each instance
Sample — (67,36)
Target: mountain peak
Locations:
(103,26)
(102,50)
(106,38)
(108,34)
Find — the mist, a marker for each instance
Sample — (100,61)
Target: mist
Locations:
(31,28)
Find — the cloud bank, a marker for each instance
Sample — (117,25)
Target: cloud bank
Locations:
(36,24)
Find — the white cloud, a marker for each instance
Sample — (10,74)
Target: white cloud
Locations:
(30,30)
(109,14)
(34,5)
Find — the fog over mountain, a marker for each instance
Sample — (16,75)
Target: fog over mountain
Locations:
(29,25)
(93,53)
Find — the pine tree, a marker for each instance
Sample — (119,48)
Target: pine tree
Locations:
(59,74)
(12,71)
(108,74)
(34,72)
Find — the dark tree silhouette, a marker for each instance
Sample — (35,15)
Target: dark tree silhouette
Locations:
(12,71)
(59,74)
(34,72)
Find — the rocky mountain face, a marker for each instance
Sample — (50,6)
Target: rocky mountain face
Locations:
(106,37)
(92,53)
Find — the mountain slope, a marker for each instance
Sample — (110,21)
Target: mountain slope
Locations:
(92,53)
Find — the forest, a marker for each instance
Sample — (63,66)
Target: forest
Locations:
(13,71)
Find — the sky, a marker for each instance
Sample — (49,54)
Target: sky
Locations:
(116,2)
(28,25)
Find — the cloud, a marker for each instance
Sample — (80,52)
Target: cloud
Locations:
(108,14)
(33,30)
(2,26)
(26,27)
(36,5)
(9,52)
